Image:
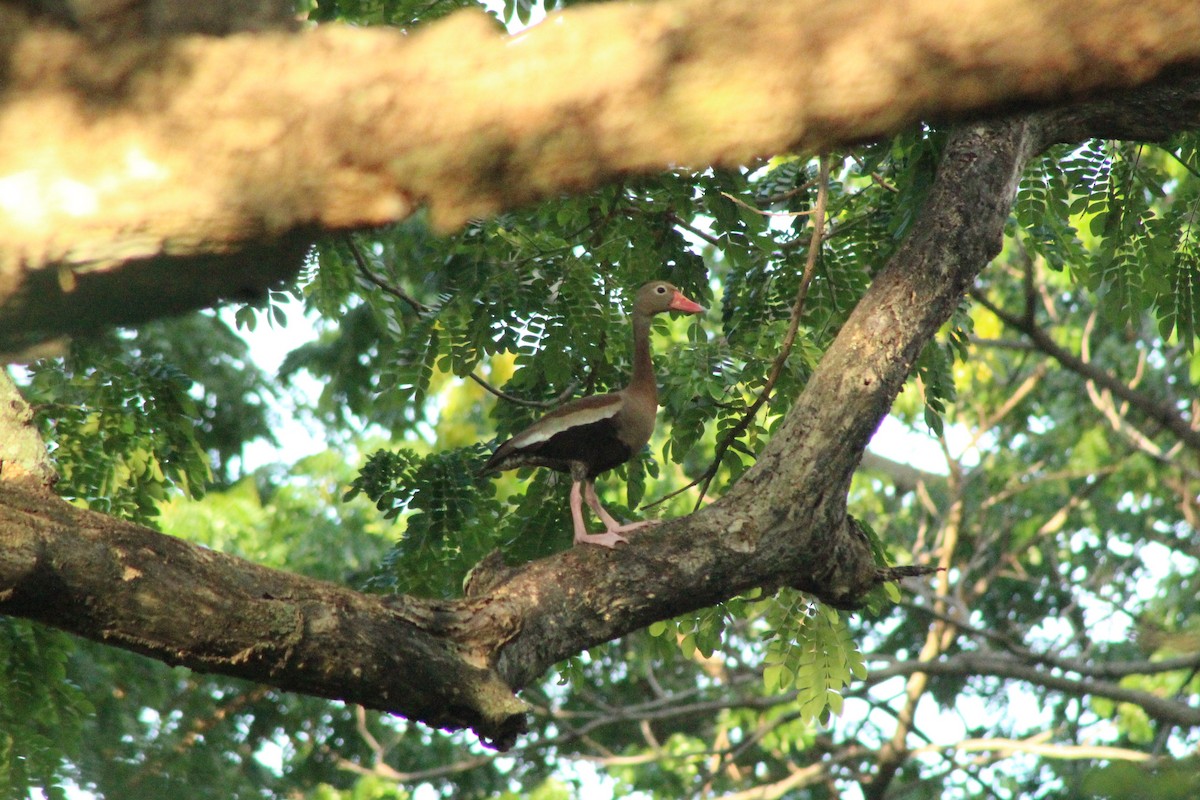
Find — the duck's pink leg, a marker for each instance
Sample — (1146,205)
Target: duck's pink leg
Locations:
(610,538)
(610,523)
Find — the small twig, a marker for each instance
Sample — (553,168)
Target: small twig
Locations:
(421,308)
(1161,413)
(679,222)
(378,752)
(370,275)
(1037,745)
(1182,163)
(810,268)
(876,178)
(1014,399)
(790,193)
(894,574)
(762,213)
(38,408)
(570,390)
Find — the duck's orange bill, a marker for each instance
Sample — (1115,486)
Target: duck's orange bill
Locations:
(681,303)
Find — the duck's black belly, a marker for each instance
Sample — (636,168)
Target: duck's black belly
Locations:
(597,446)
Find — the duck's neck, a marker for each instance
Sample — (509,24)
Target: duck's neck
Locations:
(642,382)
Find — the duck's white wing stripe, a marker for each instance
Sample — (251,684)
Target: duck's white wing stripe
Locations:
(549,427)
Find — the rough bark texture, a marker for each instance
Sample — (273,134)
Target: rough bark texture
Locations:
(147,153)
(23,454)
(130,587)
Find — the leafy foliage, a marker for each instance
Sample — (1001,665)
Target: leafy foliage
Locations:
(123,430)
(42,713)
(450,522)
(821,664)
(1098,208)
(134,414)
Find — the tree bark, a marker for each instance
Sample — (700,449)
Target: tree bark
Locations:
(198,167)
(128,586)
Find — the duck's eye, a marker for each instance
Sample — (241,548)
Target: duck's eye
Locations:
(660,289)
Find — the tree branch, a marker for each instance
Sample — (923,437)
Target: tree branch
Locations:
(1162,413)
(1089,668)
(395,291)
(271,137)
(1037,746)
(1162,709)
(131,587)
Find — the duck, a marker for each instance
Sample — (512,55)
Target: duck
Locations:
(591,435)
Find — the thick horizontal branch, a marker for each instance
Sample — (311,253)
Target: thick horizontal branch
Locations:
(128,586)
(450,664)
(145,152)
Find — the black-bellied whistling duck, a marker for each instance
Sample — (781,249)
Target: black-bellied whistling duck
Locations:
(593,434)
